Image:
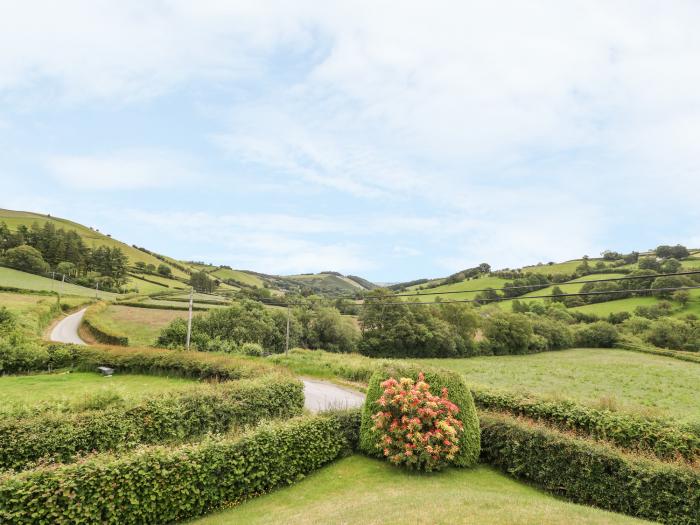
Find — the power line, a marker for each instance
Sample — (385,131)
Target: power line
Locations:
(499,299)
(625,278)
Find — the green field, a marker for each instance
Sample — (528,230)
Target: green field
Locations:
(28,281)
(238,275)
(649,384)
(91,238)
(181,304)
(141,325)
(568,267)
(363,491)
(67,388)
(34,312)
(464,286)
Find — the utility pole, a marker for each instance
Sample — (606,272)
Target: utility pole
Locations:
(286,348)
(189,319)
(53,277)
(63,280)
(97,288)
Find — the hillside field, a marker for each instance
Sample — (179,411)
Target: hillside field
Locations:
(28,281)
(141,325)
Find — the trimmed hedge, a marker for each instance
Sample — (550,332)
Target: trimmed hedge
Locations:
(629,431)
(592,474)
(644,349)
(101,333)
(197,365)
(162,484)
(458,393)
(163,306)
(174,417)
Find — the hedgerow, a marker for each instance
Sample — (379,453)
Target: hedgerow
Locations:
(165,484)
(629,431)
(592,474)
(212,408)
(458,392)
(97,329)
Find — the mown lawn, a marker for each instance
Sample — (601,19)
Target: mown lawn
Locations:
(359,490)
(68,388)
(650,384)
(141,325)
(16,279)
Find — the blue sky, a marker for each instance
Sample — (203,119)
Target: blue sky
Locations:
(385,141)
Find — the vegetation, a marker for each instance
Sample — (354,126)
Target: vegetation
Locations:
(143,325)
(216,408)
(358,490)
(152,481)
(593,474)
(98,330)
(18,281)
(468,442)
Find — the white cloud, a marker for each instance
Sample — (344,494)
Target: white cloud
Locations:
(124,170)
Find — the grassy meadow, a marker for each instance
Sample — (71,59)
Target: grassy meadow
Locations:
(649,384)
(238,275)
(34,312)
(28,281)
(71,388)
(359,490)
(141,325)
(466,287)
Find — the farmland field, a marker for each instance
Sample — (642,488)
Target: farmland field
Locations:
(649,384)
(463,286)
(237,275)
(32,310)
(142,325)
(28,281)
(359,490)
(67,387)
(568,267)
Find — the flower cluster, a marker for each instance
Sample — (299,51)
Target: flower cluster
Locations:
(414,427)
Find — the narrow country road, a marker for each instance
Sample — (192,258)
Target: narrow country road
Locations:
(66,330)
(318,395)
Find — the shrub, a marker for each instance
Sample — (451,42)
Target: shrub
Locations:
(592,474)
(174,417)
(252,349)
(600,334)
(556,334)
(26,259)
(166,484)
(508,333)
(664,439)
(416,428)
(459,394)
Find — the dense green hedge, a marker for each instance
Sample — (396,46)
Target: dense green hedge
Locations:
(165,484)
(664,439)
(646,349)
(97,329)
(163,306)
(592,474)
(437,379)
(182,415)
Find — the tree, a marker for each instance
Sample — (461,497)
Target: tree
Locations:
(508,333)
(677,252)
(661,284)
(649,263)
(164,270)
(682,297)
(671,266)
(150,268)
(201,282)
(556,291)
(65,268)
(26,259)
(140,265)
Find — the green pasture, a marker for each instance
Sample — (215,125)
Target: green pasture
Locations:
(363,491)
(631,381)
(238,275)
(464,287)
(34,312)
(141,325)
(567,267)
(28,281)
(78,388)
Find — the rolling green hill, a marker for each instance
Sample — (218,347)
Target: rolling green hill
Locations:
(91,237)
(15,279)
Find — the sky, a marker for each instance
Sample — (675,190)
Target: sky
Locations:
(391,140)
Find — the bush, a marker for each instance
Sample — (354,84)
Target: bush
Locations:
(600,334)
(165,484)
(458,392)
(174,417)
(556,334)
(674,333)
(99,329)
(26,259)
(252,349)
(592,474)
(415,428)
(629,431)
(508,333)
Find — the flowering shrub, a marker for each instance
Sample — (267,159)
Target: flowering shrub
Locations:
(416,428)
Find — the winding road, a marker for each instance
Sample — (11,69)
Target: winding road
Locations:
(318,395)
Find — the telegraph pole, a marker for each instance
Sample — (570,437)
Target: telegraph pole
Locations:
(189,319)
(63,280)
(97,288)
(286,348)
